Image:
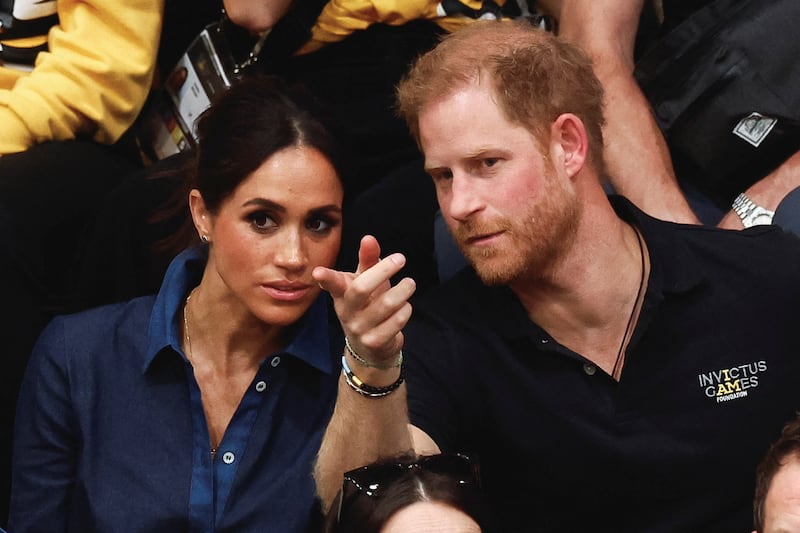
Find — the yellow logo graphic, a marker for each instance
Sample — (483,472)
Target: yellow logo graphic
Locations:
(731,383)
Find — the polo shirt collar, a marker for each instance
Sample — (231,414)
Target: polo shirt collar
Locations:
(672,269)
(310,343)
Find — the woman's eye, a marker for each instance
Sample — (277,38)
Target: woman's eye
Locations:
(261,221)
(319,225)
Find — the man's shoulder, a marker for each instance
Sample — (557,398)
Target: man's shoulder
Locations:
(708,251)
(757,249)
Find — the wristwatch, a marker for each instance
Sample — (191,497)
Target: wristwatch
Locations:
(750,213)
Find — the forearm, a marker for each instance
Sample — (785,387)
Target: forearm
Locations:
(770,190)
(373,314)
(636,153)
(637,156)
(361,431)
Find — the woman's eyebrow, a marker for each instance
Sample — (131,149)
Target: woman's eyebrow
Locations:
(264,203)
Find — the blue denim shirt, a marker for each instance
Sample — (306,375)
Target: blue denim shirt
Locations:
(111,434)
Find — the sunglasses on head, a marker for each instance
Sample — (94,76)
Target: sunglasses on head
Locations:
(372,479)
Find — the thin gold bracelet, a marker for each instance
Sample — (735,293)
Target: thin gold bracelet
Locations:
(370,364)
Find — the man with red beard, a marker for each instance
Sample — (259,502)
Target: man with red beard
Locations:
(612,372)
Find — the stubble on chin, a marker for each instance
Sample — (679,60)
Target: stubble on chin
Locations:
(498,264)
(532,248)
(489,262)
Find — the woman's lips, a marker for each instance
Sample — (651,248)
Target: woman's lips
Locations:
(287,292)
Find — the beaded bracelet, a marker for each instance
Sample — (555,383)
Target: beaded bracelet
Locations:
(370,364)
(368,390)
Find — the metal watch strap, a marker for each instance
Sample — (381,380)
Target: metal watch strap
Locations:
(748,211)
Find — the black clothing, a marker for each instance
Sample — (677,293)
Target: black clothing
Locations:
(710,378)
(722,82)
(48,196)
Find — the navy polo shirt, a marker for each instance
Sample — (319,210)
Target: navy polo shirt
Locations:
(111,434)
(711,375)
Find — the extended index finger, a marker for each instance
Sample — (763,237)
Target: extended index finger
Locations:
(335,282)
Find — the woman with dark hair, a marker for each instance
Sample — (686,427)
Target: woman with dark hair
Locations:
(201,408)
(407,494)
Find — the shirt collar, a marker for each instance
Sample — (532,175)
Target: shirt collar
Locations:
(310,342)
(673,269)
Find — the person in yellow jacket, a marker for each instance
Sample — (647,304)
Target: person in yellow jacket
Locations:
(92,82)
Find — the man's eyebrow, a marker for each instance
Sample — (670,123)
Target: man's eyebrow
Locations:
(482,151)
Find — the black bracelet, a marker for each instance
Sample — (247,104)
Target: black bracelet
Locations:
(368,390)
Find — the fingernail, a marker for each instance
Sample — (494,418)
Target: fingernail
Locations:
(398,259)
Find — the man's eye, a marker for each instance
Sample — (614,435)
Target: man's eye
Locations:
(442,175)
(261,221)
(490,161)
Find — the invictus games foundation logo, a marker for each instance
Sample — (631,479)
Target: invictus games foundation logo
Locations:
(731,383)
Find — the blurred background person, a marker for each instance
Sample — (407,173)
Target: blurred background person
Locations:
(777,498)
(409,494)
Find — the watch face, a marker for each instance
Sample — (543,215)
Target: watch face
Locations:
(761,218)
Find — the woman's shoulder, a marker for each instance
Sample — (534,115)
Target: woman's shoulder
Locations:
(98,329)
(109,316)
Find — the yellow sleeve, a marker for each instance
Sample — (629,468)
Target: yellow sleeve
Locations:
(93,80)
(340,18)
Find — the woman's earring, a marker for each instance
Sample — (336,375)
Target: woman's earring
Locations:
(204,238)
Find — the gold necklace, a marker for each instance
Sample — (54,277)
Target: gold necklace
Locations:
(186,325)
(189,348)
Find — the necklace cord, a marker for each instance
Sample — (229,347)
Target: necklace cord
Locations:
(621,350)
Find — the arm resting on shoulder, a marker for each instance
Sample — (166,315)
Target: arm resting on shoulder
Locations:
(93,81)
(636,153)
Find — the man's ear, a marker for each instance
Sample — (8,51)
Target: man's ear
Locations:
(569,143)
